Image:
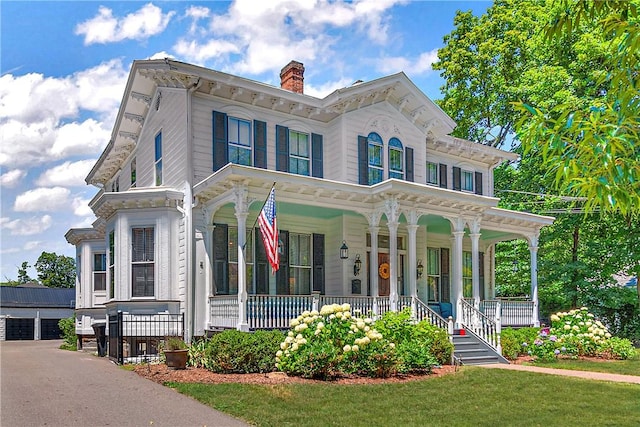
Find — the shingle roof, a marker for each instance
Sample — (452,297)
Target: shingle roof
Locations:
(18,296)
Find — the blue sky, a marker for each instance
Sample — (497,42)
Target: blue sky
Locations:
(64,64)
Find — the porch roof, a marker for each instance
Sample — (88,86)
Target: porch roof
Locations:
(425,200)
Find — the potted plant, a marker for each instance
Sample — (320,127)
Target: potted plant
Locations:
(176,353)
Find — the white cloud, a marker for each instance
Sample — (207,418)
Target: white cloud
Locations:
(12,178)
(267,35)
(27,226)
(327,88)
(34,244)
(140,25)
(43,200)
(68,174)
(418,66)
(81,207)
(37,113)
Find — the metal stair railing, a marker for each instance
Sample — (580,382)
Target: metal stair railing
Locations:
(485,328)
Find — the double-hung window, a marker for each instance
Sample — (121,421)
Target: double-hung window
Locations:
(133,173)
(99,272)
(299,264)
(299,153)
(112,279)
(239,134)
(432,173)
(467,282)
(396,156)
(376,168)
(142,262)
(158,159)
(433,274)
(467,181)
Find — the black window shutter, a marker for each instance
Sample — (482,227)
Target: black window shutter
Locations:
(457,178)
(444,275)
(220,259)
(259,144)
(262,267)
(481,273)
(282,148)
(363,160)
(408,154)
(316,155)
(282,275)
(443,176)
(478,183)
(318,263)
(220,152)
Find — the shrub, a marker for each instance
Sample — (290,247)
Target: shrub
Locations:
(578,333)
(332,343)
(197,354)
(516,342)
(68,329)
(234,351)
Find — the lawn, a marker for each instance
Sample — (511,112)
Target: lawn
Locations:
(471,397)
(624,367)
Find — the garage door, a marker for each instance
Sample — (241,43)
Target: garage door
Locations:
(19,329)
(49,329)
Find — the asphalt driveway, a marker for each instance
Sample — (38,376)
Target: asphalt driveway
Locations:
(42,385)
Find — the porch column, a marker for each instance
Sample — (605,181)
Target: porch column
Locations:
(242,211)
(391,210)
(475,262)
(456,291)
(412,228)
(373,219)
(533,251)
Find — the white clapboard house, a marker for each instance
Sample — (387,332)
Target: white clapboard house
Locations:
(377,205)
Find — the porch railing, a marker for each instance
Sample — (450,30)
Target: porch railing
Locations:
(363,305)
(224,311)
(276,311)
(487,329)
(512,312)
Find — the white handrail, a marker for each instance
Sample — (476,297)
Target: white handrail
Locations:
(487,329)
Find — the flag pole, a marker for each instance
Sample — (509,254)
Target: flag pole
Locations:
(260,210)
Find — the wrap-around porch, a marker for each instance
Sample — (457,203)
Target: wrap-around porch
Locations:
(389,229)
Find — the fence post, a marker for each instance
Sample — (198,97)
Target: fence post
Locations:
(450,326)
(120,340)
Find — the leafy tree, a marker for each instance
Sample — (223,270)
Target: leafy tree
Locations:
(56,271)
(592,149)
(23,276)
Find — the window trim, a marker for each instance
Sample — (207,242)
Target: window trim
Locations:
(158,172)
(95,272)
(374,140)
(467,173)
(294,136)
(239,145)
(395,145)
(436,170)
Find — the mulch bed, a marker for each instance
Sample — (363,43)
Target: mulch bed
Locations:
(161,374)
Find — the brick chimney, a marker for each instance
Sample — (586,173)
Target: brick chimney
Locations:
(292,77)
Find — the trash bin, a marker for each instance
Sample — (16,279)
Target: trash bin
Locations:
(101,338)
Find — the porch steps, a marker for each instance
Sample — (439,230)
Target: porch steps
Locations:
(469,350)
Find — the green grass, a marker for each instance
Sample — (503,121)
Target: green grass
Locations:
(624,367)
(471,397)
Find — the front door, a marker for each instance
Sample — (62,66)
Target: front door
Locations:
(383,275)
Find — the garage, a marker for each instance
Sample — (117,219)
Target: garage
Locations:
(20,329)
(49,329)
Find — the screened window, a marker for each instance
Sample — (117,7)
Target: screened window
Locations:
(299,264)
(467,282)
(432,173)
(158,159)
(133,172)
(433,274)
(467,181)
(239,141)
(396,159)
(232,248)
(299,153)
(99,272)
(112,280)
(142,262)
(375,158)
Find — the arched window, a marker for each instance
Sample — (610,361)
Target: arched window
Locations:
(376,167)
(396,156)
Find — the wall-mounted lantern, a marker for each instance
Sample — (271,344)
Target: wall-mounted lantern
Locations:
(420,268)
(344,250)
(357,265)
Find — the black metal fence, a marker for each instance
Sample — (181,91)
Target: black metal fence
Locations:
(135,338)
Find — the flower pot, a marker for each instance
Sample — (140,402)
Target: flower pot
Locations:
(176,359)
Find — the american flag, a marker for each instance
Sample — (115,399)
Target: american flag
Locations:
(269,230)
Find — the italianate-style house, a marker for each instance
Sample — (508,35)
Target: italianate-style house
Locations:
(377,205)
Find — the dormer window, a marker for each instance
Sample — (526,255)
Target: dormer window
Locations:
(396,156)
(376,168)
